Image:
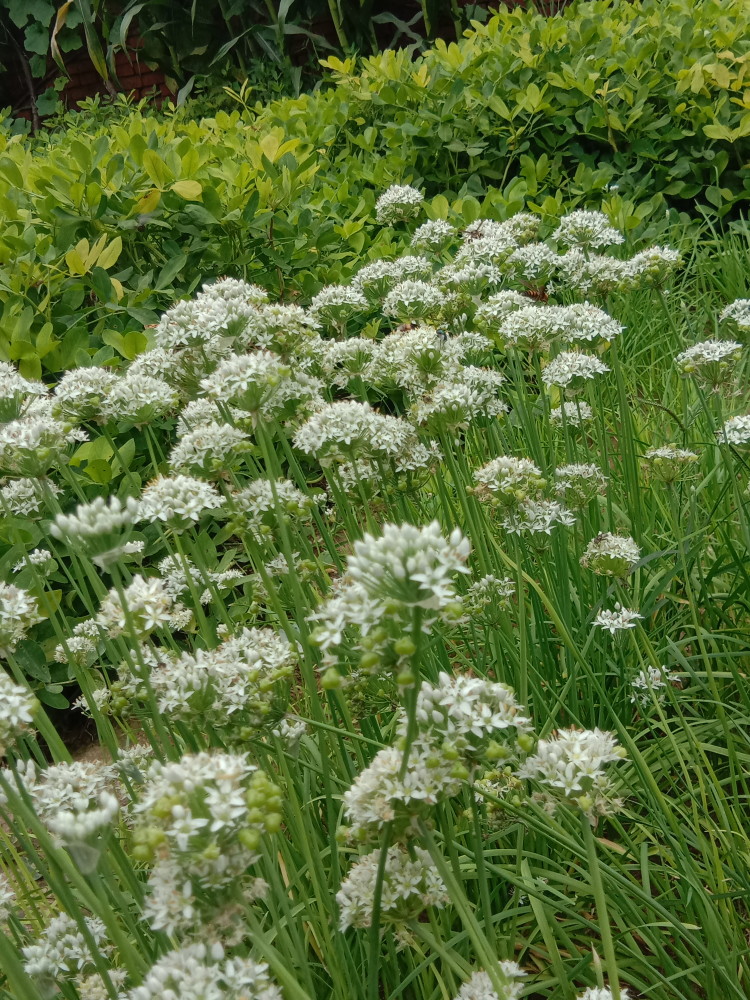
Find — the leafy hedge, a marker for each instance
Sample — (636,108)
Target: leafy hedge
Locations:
(613,103)
(650,95)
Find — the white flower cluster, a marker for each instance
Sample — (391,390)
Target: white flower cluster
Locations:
(17,707)
(19,612)
(399,202)
(407,569)
(262,502)
(389,791)
(570,368)
(7,898)
(24,497)
(737,312)
(210,449)
(30,446)
(181,577)
(237,687)
(516,487)
(99,530)
(611,555)
(504,986)
(335,304)
(736,430)
(668,463)
(572,414)
(711,363)
(62,951)
(618,620)
(414,300)
(199,971)
(347,431)
(201,818)
(15,390)
(490,592)
(468,711)
(649,686)
(411,883)
(143,607)
(601,993)
(434,234)
(570,767)
(219,314)
(260,384)
(534,328)
(177,500)
(587,229)
(137,400)
(451,405)
(579,483)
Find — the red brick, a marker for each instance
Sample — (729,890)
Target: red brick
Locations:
(152,79)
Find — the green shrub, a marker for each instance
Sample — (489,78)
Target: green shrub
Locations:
(650,96)
(617,104)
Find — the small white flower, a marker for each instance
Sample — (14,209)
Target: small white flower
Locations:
(399,202)
(737,312)
(611,555)
(571,367)
(177,499)
(572,414)
(736,430)
(433,235)
(17,707)
(570,767)
(210,448)
(650,685)
(481,987)
(410,300)
(617,620)
(335,304)
(410,884)
(19,612)
(584,228)
(601,993)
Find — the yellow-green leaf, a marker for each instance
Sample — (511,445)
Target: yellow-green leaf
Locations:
(147,202)
(74,260)
(110,254)
(189,190)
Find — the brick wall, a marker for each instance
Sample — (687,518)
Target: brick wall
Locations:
(133,76)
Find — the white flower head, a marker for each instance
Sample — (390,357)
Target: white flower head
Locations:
(481,987)
(618,620)
(200,971)
(335,304)
(399,202)
(81,393)
(571,414)
(17,708)
(570,767)
(413,300)
(209,449)
(177,499)
(410,567)
(99,529)
(587,229)
(736,430)
(410,885)
(19,612)
(611,555)
(570,368)
(737,312)
(433,235)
